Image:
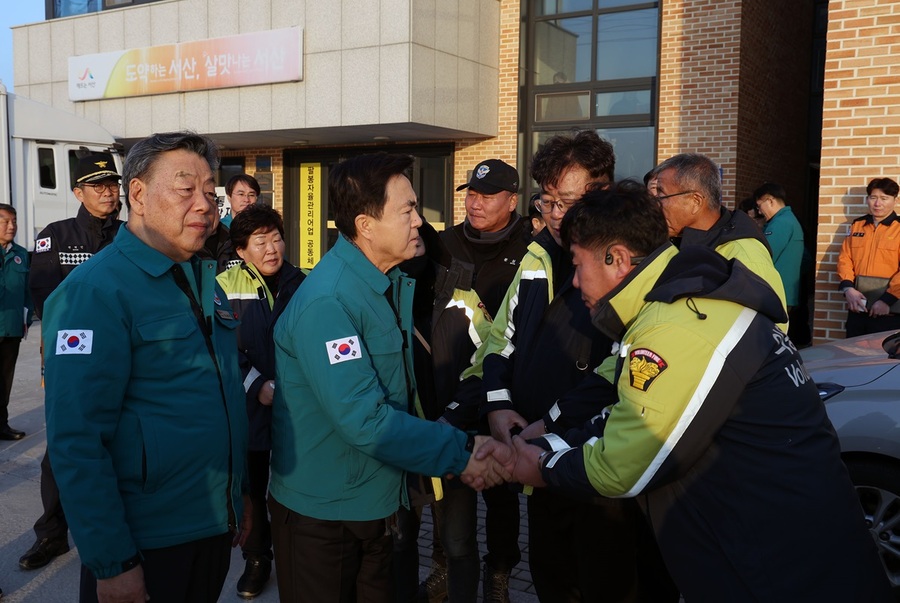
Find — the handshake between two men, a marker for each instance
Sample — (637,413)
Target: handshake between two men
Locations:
(494,462)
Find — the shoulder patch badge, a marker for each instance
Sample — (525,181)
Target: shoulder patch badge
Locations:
(644,366)
(341,350)
(74,341)
(42,245)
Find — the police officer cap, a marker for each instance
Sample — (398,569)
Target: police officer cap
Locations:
(95,167)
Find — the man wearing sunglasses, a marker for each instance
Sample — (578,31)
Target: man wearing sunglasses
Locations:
(60,248)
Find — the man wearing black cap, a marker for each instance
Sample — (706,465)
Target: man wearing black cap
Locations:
(486,249)
(60,248)
(493,237)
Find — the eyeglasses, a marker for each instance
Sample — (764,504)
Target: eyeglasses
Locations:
(664,197)
(245,195)
(563,205)
(102,188)
(762,201)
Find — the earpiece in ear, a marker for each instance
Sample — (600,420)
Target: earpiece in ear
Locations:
(609,259)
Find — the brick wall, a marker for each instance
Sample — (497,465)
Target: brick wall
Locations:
(469,153)
(698,82)
(860,134)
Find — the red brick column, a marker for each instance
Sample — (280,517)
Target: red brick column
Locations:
(860,134)
(504,146)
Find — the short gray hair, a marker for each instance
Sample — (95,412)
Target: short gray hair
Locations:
(142,156)
(696,171)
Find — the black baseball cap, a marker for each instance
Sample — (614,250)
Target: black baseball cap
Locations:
(95,167)
(492,176)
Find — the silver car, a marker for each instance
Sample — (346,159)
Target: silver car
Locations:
(859,381)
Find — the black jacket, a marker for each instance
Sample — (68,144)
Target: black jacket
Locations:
(469,265)
(487,267)
(555,347)
(218,247)
(722,437)
(448,306)
(731,226)
(63,246)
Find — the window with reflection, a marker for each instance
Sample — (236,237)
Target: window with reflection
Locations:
(627,102)
(627,44)
(563,106)
(563,49)
(553,7)
(46,167)
(635,150)
(593,64)
(69,8)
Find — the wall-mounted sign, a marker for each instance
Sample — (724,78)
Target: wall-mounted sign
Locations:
(310,214)
(263,57)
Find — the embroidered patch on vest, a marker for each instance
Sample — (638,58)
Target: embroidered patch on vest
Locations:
(74,259)
(644,367)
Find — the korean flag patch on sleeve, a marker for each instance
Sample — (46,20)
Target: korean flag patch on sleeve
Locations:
(342,350)
(74,341)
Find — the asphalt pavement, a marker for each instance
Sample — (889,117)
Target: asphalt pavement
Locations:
(20,506)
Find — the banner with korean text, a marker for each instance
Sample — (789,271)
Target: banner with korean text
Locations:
(310,214)
(263,57)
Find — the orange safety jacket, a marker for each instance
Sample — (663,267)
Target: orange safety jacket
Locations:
(872,250)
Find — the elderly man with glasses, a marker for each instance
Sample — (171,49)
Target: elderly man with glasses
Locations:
(60,248)
(689,188)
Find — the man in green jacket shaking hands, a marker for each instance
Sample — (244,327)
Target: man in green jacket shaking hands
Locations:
(343,436)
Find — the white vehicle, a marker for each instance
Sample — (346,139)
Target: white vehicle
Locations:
(39,148)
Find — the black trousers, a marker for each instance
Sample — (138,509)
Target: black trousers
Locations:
(193,572)
(405,557)
(334,561)
(501,526)
(259,541)
(579,551)
(9,352)
(52,524)
(862,324)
